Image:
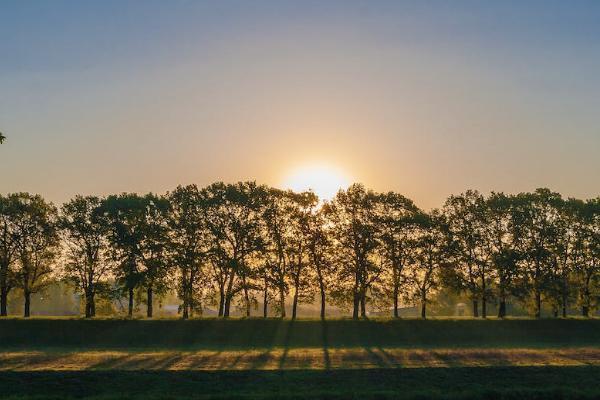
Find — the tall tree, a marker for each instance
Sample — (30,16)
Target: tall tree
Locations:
(586,255)
(189,244)
(298,252)
(428,256)
(277,215)
(85,240)
(537,228)
(2,138)
(287,219)
(563,246)
(9,238)
(233,216)
(466,217)
(353,229)
(319,248)
(154,248)
(502,240)
(396,217)
(38,245)
(126,215)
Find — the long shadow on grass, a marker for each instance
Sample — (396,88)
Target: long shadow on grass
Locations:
(264,357)
(376,358)
(286,343)
(325,339)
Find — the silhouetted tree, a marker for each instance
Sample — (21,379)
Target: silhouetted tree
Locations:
(563,245)
(502,237)
(85,237)
(126,214)
(396,218)
(586,254)
(233,216)
(154,248)
(320,255)
(278,233)
(37,245)
(537,215)
(9,238)
(466,217)
(354,232)
(298,252)
(428,256)
(189,243)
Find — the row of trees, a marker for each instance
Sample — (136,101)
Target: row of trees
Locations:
(239,245)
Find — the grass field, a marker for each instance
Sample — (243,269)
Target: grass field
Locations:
(254,358)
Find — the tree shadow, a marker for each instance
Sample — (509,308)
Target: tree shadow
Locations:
(389,358)
(286,344)
(325,341)
(377,359)
(261,360)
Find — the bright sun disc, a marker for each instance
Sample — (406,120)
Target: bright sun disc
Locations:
(325,181)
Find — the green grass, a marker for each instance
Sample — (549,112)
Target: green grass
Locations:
(437,383)
(273,333)
(446,359)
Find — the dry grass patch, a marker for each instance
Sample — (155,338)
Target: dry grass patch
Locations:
(275,359)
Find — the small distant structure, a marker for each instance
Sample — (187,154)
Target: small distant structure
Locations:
(461,309)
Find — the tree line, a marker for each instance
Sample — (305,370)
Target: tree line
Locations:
(244,244)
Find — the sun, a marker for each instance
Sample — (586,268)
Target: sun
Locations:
(324,180)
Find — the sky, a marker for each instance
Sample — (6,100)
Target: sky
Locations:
(427,98)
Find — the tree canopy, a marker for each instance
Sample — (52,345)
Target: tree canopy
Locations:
(234,246)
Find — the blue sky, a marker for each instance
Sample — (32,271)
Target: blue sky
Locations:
(427,98)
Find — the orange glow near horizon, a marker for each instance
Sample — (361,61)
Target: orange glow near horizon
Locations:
(324,180)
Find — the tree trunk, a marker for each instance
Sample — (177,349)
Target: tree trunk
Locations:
(423,304)
(363,304)
(4,301)
(282,301)
(265,304)
(356,301)
(295,303)
(565,298)
(221,301)
(585,308)
(502,308)
(538,303)
(475,309)
(27,309)
(198,307)
(247,300)
(130,309)
(502,297)
(185,314)
(322,302)
(149,309)
(483,307)
(228,294)
(88,304)
(227,306)
(483,297)
(396,294)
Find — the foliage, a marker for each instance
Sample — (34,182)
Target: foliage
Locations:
(237,245)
